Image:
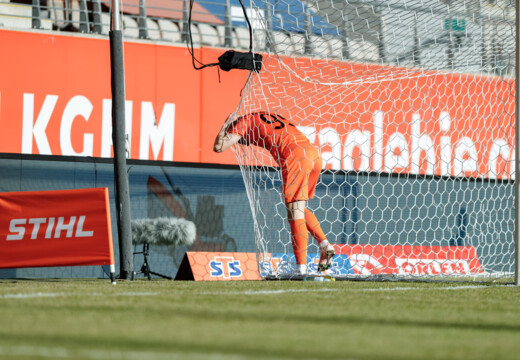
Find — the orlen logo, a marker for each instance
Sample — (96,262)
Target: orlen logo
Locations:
(48,228)
(225,266)
(432,267)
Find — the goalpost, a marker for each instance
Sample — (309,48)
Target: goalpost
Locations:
(412,105)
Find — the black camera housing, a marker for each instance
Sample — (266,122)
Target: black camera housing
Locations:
(232,59)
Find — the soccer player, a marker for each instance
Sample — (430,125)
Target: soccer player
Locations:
(300,163)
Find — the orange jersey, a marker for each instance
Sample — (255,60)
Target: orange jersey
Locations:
(299,160)
(271,131)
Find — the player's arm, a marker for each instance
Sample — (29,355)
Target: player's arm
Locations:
(224,141)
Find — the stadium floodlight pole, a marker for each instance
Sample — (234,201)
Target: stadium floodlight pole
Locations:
(119,141)
(517,147)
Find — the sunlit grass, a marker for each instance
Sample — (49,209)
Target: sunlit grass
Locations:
(92,319)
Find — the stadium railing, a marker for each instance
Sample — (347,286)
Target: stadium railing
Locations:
(158,20)
(220,23)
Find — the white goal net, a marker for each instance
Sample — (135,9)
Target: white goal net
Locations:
(411,103)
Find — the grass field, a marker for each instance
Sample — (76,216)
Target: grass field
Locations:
(92,319)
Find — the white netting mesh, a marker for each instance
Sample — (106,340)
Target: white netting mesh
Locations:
(412,106)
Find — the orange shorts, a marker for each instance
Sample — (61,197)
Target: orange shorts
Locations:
(301,168)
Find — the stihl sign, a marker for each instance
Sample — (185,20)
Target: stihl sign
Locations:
(48,228)
(55,228)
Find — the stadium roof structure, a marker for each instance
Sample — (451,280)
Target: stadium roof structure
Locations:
(287,15)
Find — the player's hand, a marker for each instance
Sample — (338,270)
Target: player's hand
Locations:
(219,142)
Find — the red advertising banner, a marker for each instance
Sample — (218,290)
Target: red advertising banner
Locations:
(55,228)
(61,104)
(406,260)
(412,260)
(368,117)
(399,121)
(218,266)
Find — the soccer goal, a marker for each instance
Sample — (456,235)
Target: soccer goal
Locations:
(412,105)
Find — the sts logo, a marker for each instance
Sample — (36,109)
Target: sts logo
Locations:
(225,266)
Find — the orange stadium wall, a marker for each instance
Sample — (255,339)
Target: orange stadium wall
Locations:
(55,98)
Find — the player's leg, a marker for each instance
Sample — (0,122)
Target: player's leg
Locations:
(299,233)
(326,249)
(313,225)
(295,175)
(314,228)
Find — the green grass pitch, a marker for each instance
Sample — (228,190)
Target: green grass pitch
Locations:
(92,319)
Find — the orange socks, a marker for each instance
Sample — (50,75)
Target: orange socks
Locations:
(314,228)
(300,238)
(300,229)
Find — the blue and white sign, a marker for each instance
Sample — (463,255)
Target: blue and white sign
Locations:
(285,264)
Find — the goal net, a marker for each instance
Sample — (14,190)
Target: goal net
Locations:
(411,104)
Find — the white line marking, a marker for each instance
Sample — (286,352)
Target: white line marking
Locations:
(269,292)
(31,295)
(464,287)
(134,294)
(378,289)
(62,294)
(247,292)
(64,353)
(95,354)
